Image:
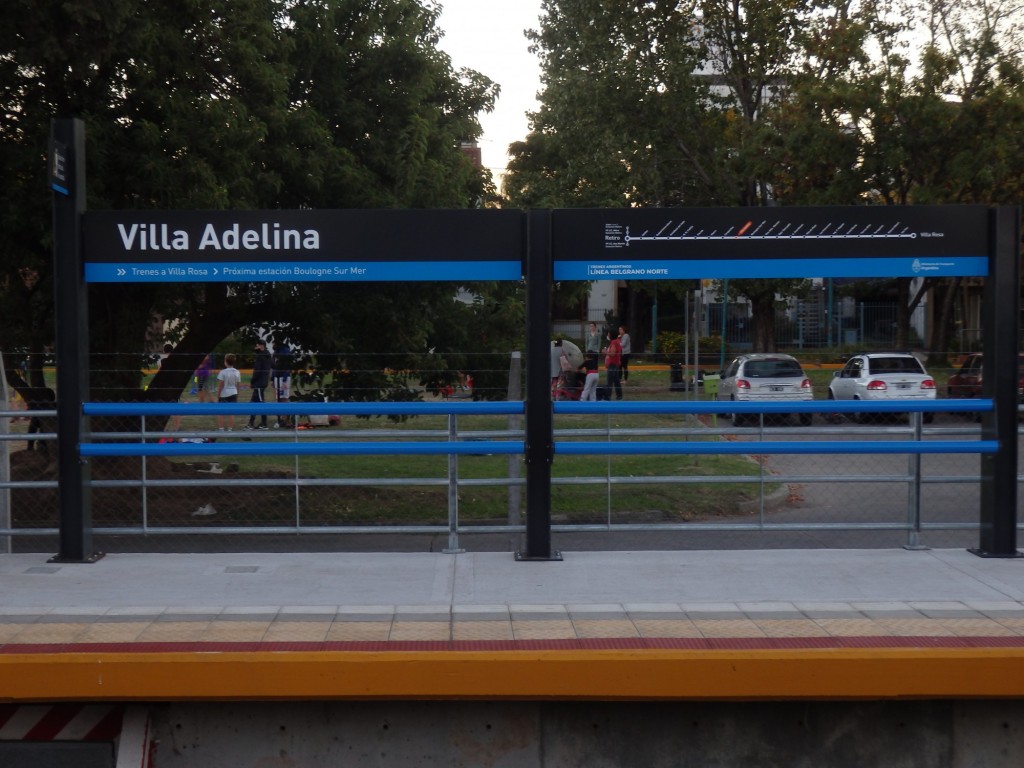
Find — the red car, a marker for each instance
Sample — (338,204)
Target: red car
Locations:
(966,382)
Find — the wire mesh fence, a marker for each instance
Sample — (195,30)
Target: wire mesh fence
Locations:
(745,498)
(815,324)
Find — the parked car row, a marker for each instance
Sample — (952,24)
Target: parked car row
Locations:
(872,376)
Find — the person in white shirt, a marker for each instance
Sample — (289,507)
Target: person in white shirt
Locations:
(228,382)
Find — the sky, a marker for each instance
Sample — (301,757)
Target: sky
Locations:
(487,35)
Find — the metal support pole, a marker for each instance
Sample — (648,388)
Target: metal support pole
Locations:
(725,318)
(688,338)
(1001,321)
(694,393)
(540,434)
(453,490)
(828,313)
(67,181)
(515,423)
(914,490)
(654,321)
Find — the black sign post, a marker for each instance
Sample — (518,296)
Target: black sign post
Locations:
(540,434)
(67,182)
(1001,313)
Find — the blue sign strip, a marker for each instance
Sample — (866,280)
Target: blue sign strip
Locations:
(645,269)
(306,271)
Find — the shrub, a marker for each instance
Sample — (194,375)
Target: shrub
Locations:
(673,343)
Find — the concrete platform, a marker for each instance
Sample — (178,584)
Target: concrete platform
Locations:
(737,624)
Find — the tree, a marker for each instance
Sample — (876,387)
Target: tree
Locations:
(751,102)
(660,104)
(219,104)
(622,113)
(895,130)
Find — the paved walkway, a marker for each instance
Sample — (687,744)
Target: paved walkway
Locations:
(945,609)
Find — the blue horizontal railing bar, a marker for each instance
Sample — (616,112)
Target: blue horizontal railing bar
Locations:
(471,447)
(792,406)
(474,408)
(781,446)
(510,447)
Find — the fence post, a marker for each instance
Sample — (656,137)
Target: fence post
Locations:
(1001,323)
(540,438)
(914,491)
(515,422)
(145,490)
(453,490)
(67,180)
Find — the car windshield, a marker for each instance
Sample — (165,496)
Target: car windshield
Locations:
(899,364)
(772,369)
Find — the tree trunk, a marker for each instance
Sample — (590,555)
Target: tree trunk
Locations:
(939,348)
(763,319)
(902,313)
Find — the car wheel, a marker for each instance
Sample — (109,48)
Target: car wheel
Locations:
(721,415)
(833,418)
(859,418)
(927,418)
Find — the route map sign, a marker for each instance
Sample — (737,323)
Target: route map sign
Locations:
(302,246)
(841,241)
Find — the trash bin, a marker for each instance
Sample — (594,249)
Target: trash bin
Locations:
(675,378)
(711,385)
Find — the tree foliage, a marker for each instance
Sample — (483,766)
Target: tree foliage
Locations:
(234,104)
(780,102)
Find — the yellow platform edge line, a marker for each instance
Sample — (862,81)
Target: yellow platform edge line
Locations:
(577,674)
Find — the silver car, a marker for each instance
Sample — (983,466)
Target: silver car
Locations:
(768,377)
(883,376)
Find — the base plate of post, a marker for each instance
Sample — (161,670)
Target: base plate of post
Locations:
(556,557)
(987,554)
(90,559)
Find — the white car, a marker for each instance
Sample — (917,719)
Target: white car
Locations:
(767,377)
(882,376)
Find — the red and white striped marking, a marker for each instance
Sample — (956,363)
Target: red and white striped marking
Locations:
(60,722)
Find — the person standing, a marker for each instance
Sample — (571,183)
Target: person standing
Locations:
(282,377)
(613,366)
(590,383)
(558,364)
(259,382)
(202,378)
(592,346)
(627,351)
(228,382)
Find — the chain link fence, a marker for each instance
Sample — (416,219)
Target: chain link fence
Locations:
(701,500)
(816,324)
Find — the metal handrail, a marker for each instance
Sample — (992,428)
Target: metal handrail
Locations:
(580,442)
